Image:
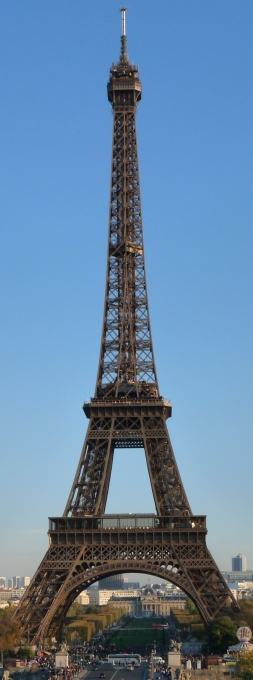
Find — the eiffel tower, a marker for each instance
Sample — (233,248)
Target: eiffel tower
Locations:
(127,411)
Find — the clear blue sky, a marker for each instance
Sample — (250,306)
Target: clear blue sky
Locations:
(196,164)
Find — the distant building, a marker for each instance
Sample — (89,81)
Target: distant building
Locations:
(3,581)
(148,605)
(99,597)
(83,598)
(112,583)
(241,589)
(7,594)
(237,575)
(132,605)
(115,594)
(18,592)
(246,594)
(16,581)
(239,563)
(131,585)
(10,582)
(234,591)
(25,581)
(163,591)
(161,606)
(240,583)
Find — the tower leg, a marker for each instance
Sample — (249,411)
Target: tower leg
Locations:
(167,486)
(90,487)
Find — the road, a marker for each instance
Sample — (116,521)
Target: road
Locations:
(117,672)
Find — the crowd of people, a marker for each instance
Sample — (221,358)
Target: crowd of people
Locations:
(45,663)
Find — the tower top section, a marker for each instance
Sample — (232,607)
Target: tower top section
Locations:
(124,86)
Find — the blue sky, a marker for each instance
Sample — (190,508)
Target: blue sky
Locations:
(196,165)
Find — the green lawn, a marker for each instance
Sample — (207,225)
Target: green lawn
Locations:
(139,633)
(140,638)
(142,623)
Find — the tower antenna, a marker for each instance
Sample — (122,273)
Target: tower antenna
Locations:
(123,11)
(123,54)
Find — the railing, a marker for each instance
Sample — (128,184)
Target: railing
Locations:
(130,521)
(126,400)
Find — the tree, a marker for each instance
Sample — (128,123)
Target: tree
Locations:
(25,653)
(76,611)
(10,630)
(220,634)
(84,629)
(245,666)
(243,617)
(190,606)
(92,610)
(247,611)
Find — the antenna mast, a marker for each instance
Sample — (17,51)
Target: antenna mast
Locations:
(123,55)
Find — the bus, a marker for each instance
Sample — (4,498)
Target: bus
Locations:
(127,659)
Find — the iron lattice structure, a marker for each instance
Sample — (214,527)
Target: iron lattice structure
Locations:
(126,411)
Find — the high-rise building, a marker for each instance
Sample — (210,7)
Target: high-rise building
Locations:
(3,581)
(16,581)
(25,581)
(239,563)
(112,583)
(10,582)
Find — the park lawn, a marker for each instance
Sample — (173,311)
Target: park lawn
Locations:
(138,638)
(143,623)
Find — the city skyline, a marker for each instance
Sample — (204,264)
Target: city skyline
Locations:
(197,209)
